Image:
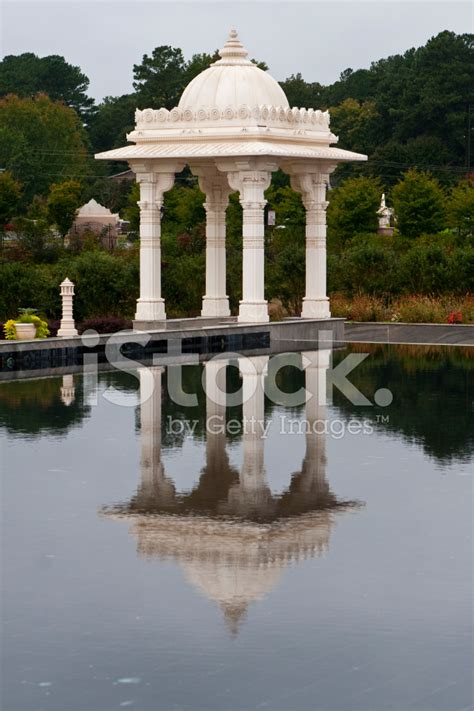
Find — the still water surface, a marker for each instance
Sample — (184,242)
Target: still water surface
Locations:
(149,564)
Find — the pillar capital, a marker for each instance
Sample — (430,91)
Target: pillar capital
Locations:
(215,187)
(251,185)
(312,187)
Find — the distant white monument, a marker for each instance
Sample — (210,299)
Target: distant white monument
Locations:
(385,215)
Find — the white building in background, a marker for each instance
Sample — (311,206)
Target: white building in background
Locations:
(233,127)
(94,217)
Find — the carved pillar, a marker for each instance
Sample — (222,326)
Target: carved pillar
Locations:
(312,186)
(155,488)
(153,184)
(214,185)
(216,455)
(251,185)
(314,465)
(252,495)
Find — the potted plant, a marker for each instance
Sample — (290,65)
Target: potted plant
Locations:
(26,327)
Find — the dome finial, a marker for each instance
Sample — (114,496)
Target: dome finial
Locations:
(233,52)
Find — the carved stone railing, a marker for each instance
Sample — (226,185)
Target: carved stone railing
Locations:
(277,116)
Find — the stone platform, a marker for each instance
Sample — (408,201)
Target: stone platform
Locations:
(178,341)
(411,333)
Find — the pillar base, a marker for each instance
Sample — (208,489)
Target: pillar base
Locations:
(66,329)
(150,310)
(213,307)
(316,308)
(253,312)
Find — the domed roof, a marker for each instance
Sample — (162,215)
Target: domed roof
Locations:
(233,81)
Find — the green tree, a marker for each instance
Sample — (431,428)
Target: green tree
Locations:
(423,94)
(10,194)
(64,199)
(132,211)
(419,203)
(27,75)
(113,119)
(159,78)
(285,268)
(355,124)
(197,64)
(41,141)
(353,209)
(288,206)
(461,208)
(391,159)
(302,93)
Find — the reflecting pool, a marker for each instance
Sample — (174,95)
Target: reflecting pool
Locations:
(279,547)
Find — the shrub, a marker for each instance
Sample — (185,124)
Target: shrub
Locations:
(23,283)
(369,268)
(425,269)
(420,309)
(105,324)
(53,326)
(455,317)
(360,308)
(276,310)
(42,330)
(409,309)
(340,305)
(103,284)
(461,270)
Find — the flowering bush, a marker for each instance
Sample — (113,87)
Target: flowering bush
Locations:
(404,309)
(455,317)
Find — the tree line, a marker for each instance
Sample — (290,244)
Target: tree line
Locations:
(407,110)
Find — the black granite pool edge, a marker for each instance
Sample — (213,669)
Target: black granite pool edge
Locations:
(60,354)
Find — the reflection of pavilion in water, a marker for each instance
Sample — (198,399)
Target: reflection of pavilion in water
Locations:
(231,535)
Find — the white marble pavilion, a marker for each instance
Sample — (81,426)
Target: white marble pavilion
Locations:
(233,127)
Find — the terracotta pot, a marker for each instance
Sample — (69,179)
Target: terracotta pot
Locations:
(25,331)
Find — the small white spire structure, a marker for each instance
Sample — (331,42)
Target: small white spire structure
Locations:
(67,327)
(384,213)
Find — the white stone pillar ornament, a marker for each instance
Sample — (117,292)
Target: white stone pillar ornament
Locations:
(67,326)
(312,186)
(214,185)
(251,185)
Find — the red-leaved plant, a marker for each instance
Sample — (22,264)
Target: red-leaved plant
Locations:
(455,317)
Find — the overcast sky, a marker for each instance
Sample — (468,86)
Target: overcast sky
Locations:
(314,37)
